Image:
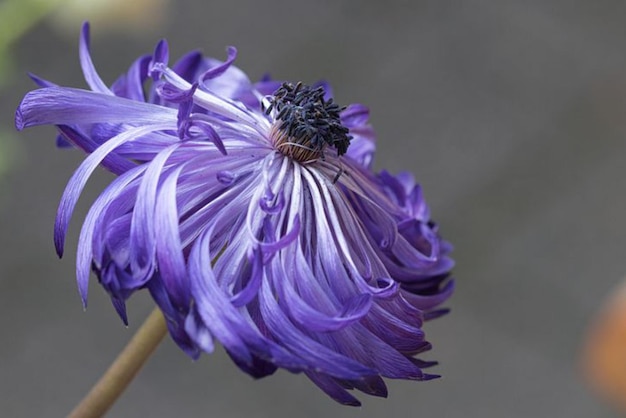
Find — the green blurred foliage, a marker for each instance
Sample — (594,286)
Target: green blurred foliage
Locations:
(17,17)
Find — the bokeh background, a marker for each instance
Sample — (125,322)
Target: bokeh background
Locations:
(511,115)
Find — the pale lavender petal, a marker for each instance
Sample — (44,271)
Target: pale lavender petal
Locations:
(142,231)
(81,175)
(85,244)
(67,106)
(89,71)
(169,249)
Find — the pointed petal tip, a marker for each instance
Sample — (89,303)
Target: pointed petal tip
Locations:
(120,308)
(59,244)
(161,51)
(159,60)
(40,81)
(82,291)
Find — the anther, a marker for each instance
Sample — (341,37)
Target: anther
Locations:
(306,123)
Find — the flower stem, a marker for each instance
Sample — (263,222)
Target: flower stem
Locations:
(127,364)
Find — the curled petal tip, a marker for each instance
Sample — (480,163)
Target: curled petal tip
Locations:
(19,119)
(221,68)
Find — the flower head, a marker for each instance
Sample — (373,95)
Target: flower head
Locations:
(251,214)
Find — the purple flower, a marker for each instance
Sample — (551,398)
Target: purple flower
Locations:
(251,214)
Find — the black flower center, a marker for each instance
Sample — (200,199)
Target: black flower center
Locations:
(306,123)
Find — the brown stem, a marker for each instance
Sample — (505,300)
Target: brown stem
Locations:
(119,375)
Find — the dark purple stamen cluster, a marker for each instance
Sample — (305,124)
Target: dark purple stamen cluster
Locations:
(308,118)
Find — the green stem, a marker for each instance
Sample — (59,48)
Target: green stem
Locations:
(128,363)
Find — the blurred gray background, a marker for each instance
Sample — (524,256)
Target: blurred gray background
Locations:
(510,114)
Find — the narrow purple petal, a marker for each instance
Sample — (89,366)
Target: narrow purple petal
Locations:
(79,179)
(41,82)
(254,282)
(218,70)
(120,308)
(67,106)
(188,66)
(160,59)
(175,319)
(333,389)
(84,254)
(426,302)
(207,131)
(172,94)
(218,315)
(371,385)
(319,356)
(285,240)
(360,344)
(310,306)
(133,85)
(89,71)
(142,231)
(169,249)
(112,162)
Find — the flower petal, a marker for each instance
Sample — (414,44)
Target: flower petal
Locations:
(85,252)
(79,179)
(169,249)
(67,106)
(89,71)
